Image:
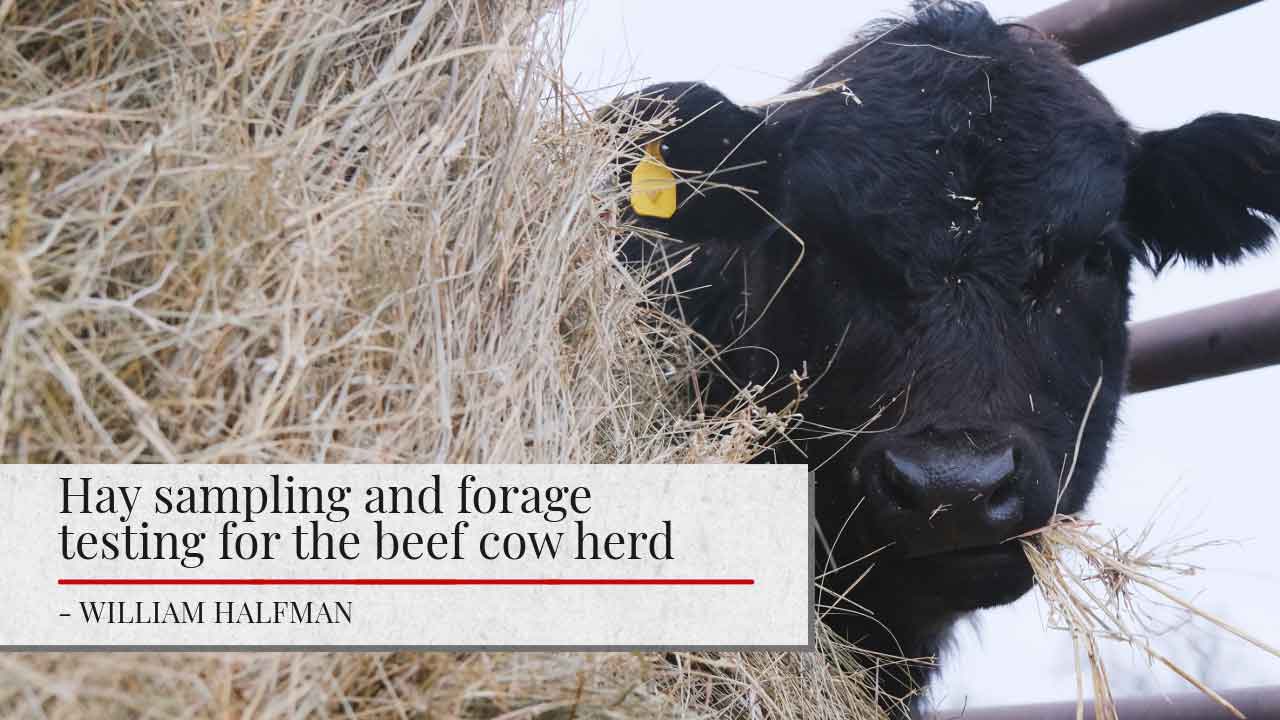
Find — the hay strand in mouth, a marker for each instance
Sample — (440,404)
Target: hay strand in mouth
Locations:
(1099,587)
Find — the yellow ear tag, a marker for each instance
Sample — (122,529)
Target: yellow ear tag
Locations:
(653,187)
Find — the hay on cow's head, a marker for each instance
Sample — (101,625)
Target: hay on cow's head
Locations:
(353,231)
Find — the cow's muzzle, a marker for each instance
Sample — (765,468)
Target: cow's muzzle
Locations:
(934,493)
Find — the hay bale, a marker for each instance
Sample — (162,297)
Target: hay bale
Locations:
(313,231)
(437,685)
(307,231)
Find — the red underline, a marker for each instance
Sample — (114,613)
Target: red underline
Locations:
(406,581)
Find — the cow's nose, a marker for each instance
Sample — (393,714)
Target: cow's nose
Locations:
(934,498)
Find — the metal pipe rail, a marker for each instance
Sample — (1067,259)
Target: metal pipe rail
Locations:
(1220,339)
(1093,29)
(1258,703)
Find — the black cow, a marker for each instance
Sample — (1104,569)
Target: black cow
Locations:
(943,235)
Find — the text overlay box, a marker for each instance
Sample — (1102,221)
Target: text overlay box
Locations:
(444,556)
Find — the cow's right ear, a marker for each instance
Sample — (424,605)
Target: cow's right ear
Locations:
(704,167)
(1203,192)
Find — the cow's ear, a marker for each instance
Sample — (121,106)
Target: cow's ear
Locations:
(1205,191)
(703,168)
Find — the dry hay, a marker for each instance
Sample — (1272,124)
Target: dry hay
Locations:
(436,685)
(314,231)
(1106,587)
(1102,586)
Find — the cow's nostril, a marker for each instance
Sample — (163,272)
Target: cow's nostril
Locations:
(897,484)
(1004,497)
(999,481)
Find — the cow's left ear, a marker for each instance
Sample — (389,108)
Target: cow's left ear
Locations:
(1203,191)
(705,167)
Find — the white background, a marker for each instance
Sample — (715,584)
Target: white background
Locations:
(727,521)
(1208,449)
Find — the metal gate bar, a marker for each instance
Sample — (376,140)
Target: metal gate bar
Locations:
(1258,703)
(1207,342)
(1093,29)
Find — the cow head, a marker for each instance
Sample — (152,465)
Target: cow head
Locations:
(943,237)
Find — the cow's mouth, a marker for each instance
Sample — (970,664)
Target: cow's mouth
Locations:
(977,577)
(976,551)
(976,561)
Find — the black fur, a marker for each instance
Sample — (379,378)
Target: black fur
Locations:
(1192,189)
(968,209)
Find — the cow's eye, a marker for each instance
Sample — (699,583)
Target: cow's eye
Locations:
(1100,259)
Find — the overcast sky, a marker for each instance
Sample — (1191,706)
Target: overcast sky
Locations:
(1208,448)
